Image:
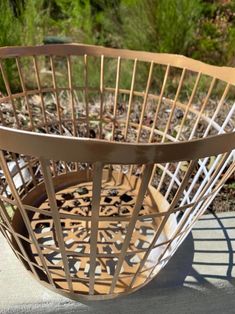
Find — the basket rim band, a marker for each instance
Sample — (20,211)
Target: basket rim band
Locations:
(224,73)
(58,147)
(87,150)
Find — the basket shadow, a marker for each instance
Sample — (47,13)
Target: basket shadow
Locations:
(200,261)
(176,270)
(218,254)
(195,274)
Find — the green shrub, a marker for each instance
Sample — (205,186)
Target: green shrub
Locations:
(160,25)
(27,27)
(214,40)
(201,29)
(74,20)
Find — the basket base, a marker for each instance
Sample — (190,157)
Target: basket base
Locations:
(118,197)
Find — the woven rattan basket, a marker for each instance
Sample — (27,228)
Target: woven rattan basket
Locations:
(108,158)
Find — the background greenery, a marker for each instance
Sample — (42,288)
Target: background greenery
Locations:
(202,29)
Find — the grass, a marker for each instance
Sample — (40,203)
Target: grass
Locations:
(231,186)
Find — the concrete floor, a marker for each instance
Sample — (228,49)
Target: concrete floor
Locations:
(198,279)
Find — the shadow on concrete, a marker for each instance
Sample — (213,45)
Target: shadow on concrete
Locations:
(185,262)
(176,270)
(219,246)
(192,281)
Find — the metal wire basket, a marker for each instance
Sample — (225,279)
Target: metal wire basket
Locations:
(108,157)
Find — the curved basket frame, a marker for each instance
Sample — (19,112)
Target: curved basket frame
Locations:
(153,153)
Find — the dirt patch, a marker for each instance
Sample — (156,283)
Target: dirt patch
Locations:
(225,200)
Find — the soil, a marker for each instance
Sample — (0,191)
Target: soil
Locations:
(225,200)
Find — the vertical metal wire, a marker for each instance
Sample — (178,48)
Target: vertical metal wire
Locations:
(39,86)
(130,99)
(139,201)
(56,218)
(116,96)
(58,107)
(188,105)
(8,89)
(86,93)
(220,104)
(212,84)
(157,112)
(101,93)
(96,195)
(159,103)
(173,105)
(70,83)
(144,105)
(26,97)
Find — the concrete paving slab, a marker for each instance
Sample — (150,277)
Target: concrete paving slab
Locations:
(198,279)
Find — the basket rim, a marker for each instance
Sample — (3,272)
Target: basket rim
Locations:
(223,73)
(48,146)
(59,147)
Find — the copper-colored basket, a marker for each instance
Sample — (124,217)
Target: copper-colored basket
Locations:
(108,157)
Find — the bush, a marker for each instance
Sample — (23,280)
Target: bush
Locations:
(20,25)
(214,40)
(201,29)
(160,25)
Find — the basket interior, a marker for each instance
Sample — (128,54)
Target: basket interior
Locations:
(114,99)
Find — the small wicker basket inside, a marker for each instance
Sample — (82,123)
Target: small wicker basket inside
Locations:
(108,157)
